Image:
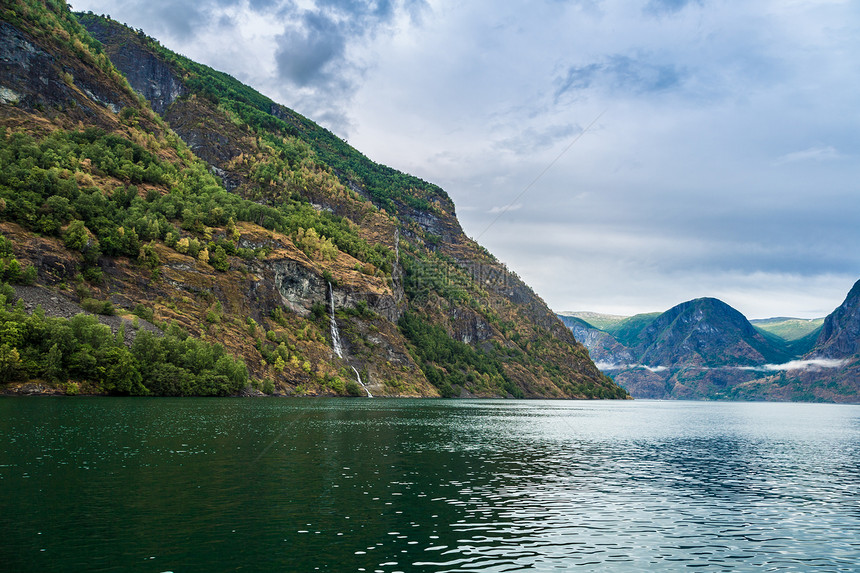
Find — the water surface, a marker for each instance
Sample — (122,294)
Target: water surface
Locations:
(98,484)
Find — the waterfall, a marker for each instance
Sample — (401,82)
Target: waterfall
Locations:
(335,333)
(335,339)
(358,377)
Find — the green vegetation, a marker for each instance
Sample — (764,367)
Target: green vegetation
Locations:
(449,364)
(596,320)
(295,138)
(47,184)
(80,350)
(627,331)
(11,270)
(789,329)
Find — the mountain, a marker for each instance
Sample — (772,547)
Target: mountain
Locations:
(693,350)
(228,244)
(797,335)
(830,371)
(706,349)
(790,329)
(603,348)
(840,334)
(594,319)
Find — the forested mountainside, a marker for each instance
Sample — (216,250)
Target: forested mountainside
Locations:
(227,244)
(706,349)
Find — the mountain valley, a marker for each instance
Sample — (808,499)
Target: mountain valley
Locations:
(705,349)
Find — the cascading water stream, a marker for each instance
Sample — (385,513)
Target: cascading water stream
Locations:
(335,339)
(358,377)
(335,333)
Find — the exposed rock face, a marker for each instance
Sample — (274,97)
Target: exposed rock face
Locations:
(470,327)
(31,78)
(28,74)
(147,74)
(840,334)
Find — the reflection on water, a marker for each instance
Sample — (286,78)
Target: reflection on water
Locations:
(398,485)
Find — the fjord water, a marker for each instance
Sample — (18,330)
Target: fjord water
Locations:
(422,485)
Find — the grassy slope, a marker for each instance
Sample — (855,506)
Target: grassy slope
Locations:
(789,329)
(595,319)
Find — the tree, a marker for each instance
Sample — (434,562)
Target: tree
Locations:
(76,235)
(54,363)
(10,360)
(218,259)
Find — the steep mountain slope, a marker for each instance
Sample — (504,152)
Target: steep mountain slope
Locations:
(698,349)
(706,349)
(840,333)
(229,219)
(830,371)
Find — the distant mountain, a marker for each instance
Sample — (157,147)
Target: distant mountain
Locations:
(787,328)
(696,349)
(829,372)
(840,333)
(705,349)
(602,346)
(595,319)
(704,332)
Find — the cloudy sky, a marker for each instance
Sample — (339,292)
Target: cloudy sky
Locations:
(621,156)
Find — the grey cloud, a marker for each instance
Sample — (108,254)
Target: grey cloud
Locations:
(263,5)
(320,42)
(531,139)
(621,74)
(660,7)
(381,10)
(304,53)
(318,50)
(182,20)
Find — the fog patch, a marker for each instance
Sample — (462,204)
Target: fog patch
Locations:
(610,366)
(812,364)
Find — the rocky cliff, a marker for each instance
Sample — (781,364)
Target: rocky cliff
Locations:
(830,372)
(840,334)
(143,183)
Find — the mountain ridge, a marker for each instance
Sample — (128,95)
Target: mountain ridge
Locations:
(219,216)
(706,349)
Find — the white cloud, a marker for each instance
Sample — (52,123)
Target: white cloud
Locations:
(794,365)
(814,364)
(827,153)
(608,366)
(505,208)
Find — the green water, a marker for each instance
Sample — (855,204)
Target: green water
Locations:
(95,484)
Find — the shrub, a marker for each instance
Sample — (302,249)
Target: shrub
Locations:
(268,386)
(98,306)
